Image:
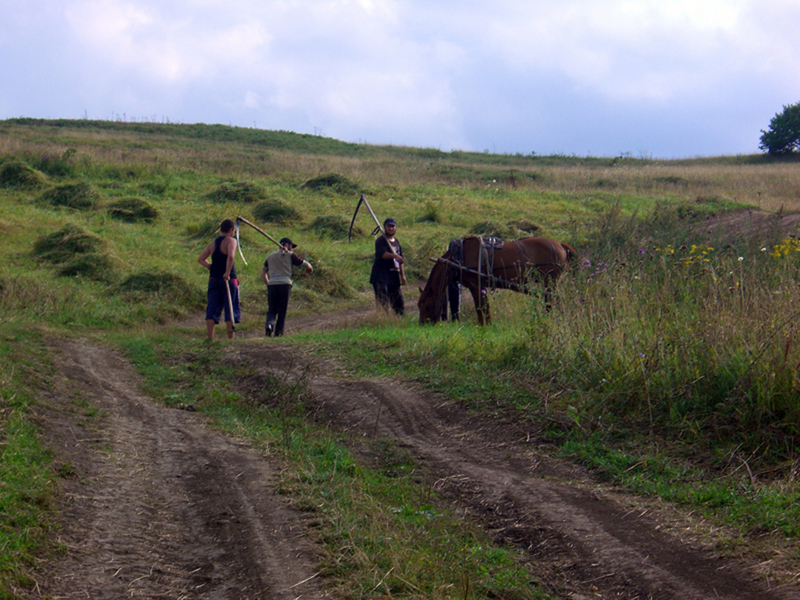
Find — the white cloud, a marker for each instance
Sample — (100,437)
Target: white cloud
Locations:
(505,75)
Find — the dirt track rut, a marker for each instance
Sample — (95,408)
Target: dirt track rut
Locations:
(160,505)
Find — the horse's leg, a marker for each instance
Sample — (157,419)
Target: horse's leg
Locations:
(481,299)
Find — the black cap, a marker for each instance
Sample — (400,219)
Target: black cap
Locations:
(390,221)
(285,241)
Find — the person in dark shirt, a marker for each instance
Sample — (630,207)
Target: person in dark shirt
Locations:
(388,274)
(221,274)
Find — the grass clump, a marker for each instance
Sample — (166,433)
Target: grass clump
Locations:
(78,196)
(132,210)
(242,192)
(332,181)
(16,174)
(275,211)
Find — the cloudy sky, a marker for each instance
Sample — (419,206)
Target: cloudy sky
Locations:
(656,78)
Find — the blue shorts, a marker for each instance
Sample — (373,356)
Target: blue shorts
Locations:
(218,300)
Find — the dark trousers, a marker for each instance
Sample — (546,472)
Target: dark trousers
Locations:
(387,295)
(278,304)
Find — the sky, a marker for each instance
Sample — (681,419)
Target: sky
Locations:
(645,78)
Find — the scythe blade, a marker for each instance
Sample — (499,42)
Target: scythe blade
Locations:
(378,227)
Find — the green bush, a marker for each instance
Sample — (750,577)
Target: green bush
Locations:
(783,136)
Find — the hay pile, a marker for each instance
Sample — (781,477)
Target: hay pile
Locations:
(76,253)
(242,192)
(132,210)
(275,211)
(78,196)
(15,174)
(332,181)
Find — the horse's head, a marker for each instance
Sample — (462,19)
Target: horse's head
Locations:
(427,306)
(430,298)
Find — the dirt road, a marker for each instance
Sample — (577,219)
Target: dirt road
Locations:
(155,504)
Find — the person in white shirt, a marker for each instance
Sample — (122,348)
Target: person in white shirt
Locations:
(277,276)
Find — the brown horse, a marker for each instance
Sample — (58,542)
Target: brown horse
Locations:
(483,264)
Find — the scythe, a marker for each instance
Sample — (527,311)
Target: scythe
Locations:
(262,232)
(378,227)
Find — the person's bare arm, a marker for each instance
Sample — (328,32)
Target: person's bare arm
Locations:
(203,258)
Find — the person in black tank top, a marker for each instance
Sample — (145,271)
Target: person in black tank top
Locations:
(222,275)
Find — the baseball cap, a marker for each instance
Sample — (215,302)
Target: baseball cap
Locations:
(390,221)
(285,241)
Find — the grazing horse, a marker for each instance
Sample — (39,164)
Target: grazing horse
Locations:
(482,264)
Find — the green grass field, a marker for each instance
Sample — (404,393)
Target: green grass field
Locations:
(669,363)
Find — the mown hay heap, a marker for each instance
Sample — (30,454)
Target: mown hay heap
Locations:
(132,210)
(77,253)
(332,226)
(275,211)
(15,174)
(163,283)
(79,196)
(331,181)
(241,192)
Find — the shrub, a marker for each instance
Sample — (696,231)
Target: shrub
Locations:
(80,196)
(275,211)
(242,192)
(18,175)
(333,181)
(132,210)
(783,136)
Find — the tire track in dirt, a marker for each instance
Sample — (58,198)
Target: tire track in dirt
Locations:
(582,543)
(160,505)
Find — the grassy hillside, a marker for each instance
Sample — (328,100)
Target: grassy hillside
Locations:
(669,362)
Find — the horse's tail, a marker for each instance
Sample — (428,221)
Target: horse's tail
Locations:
(572,256)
